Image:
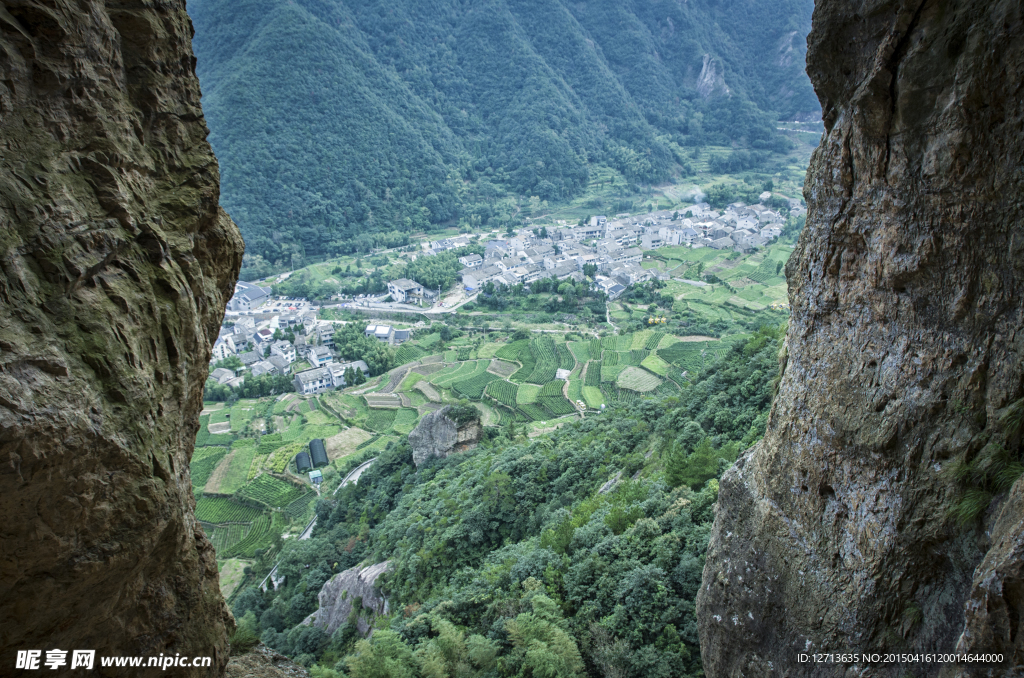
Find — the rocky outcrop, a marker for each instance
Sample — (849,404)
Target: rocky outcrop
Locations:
(262,662)
(115,266)
(437,435)
(711,80)
(342,591)
(904,354)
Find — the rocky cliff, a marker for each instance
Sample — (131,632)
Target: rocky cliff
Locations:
(115,266)
(438,435)
(342,591)
(834,534)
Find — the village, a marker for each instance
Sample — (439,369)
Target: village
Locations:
(287,337)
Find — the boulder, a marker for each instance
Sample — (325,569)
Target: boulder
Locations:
(438,435)
(342,590)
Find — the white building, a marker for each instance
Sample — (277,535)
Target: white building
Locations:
(403,289)
(283,349)
(247,297)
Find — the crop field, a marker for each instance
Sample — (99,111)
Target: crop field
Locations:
(594,349)
(382,400)
(552,399)
(220,510)
(593,377)
(640,339)
(233,470)
(428,369)
(547,361)
(381,420)
(464,371)
(428,391)
(299,509)
(534,412)
(637,355)
(688,355)
(262,535)
(611,358)
(611,372)
(637,379)
(656,365)
(279,461)
(202,465)
(575,389)
(502,369)
(346,442)
(581,350)
(503,391)
(527,394)
(464,353)
(430,341)
(407,353)
(473,388)
(593,397)
(512,351)
(488,350)
(529,361)
(566,361)
(405,420)
(224,536)
(271,491)
(654,340)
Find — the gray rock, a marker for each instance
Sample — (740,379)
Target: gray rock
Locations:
(337,596)
(903,358)
(438,436)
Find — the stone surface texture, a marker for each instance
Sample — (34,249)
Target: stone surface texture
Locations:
(342,590)
(903,357)
(438,436)
(115,266)
(262,662)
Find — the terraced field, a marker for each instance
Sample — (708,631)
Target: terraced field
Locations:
(220,510)
(503,391)
(271,492)
(473,388)
(502,368)
(637,379)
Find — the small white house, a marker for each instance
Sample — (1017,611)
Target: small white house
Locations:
(403,289)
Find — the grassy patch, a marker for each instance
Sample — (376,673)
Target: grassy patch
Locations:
(636,379)
(527,394)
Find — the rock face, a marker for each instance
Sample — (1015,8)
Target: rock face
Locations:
(438,436)
(342,590)
(832,534)
(115,266)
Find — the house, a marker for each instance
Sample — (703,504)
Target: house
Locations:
(477,277)
(616,259)
(598,221)
(284,350)
(263,339)
(338,371)
(325,332)
(222,375)
(687,236)
(247,297)
(771,232)
(244,326)
(249,358)
(315,380)
(262,367)
(721,243)
(403,289)
(318,356)
(652,241)
(471,260)
(401,335)
(224,347)
(281,365)
(607,246)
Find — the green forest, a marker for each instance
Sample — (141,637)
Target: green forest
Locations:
(342,126)
(519,557)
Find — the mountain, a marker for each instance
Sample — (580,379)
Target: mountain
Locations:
(336,122)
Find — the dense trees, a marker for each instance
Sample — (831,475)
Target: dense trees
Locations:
(344,126)
(507,560)
(352,344)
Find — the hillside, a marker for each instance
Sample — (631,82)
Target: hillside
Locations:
(338,122)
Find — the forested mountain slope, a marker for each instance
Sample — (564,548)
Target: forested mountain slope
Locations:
(334,120)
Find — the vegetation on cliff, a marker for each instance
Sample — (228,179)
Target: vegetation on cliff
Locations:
(342,126)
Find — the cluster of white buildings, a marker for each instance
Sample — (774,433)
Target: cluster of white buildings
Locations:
(615,247)
(253,341)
